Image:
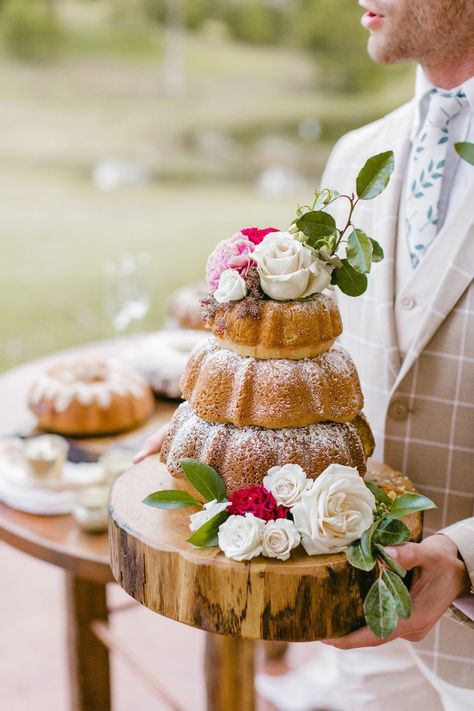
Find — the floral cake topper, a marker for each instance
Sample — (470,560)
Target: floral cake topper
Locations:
(256,264)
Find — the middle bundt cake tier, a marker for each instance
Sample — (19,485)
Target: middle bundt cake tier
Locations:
(224,387)
(242,456)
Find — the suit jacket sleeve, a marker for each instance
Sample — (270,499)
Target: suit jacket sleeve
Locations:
(462,533)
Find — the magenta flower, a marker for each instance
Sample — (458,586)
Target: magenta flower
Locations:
(256,235)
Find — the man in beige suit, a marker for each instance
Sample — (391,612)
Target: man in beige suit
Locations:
(412,338)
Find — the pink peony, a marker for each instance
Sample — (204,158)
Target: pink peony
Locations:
(233,253)
(256,235)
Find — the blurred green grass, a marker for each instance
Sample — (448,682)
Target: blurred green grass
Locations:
(98,102)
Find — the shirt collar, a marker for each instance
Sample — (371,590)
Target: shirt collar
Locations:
(423,86)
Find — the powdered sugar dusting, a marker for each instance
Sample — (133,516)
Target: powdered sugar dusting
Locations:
(223,386)
(243,456)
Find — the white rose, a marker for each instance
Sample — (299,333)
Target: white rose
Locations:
(232,287)
(334,511)
(279,539)
(240,537)
(288,269)
(286,483)
(211,509)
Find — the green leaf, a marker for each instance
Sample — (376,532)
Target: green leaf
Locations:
(348,280)
(206,535)
(316,224)
(380,610)
(359,251)
(204,478)
(379,494)
(357,557)
(466,151)
(399,593)
(377,251)
(171,499)
(410,503)
(374,176)
(389,560)
(391,532)
(366,540)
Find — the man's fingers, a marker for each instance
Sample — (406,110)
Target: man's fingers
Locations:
(408,555)
(152,445)
(363,637)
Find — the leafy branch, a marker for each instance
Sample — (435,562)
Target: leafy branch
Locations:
(209,484)
(465,150)
(318,230)
(388,599)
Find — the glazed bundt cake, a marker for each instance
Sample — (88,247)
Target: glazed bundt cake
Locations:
(90,397)
(224,387)
(243,455)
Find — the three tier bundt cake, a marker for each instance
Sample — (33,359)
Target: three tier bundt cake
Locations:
(270,388)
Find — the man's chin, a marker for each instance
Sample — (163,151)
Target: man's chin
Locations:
(383,53)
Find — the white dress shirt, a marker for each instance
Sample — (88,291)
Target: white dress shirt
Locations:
(458,176)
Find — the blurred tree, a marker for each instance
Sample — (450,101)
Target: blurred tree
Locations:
(256,21)
(30,29)
(331,31)
(196,12)
(173,63)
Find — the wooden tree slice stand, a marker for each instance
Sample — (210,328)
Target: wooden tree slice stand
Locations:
(303,599)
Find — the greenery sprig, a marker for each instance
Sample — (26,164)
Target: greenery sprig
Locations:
(465,150)
(388,599)
(210,485)
(318,230)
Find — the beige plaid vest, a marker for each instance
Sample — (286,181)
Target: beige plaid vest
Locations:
(421,405)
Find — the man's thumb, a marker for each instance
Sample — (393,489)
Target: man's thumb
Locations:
(408,555)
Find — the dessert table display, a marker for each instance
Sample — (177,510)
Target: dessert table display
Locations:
(58,540)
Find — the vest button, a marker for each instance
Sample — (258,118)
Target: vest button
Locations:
(408,303)
(398,410)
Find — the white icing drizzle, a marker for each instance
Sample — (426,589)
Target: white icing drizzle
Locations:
(87,381)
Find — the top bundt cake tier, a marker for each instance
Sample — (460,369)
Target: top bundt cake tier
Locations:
(224,387)
(290,329)
(242,456)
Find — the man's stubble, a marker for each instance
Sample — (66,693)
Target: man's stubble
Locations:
(423,30)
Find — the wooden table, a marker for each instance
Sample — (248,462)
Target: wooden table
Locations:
(306,598)
(57,540)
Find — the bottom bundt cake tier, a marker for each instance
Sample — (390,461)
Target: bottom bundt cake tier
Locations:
(242,456)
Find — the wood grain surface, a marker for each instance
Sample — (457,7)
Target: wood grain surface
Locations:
(306,598)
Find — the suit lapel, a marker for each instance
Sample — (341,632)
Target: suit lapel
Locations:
(395,136)
(442,276)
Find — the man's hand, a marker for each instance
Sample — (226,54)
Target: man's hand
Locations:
(439,578)
(153,444)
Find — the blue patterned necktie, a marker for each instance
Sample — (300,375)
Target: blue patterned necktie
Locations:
(426,170)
